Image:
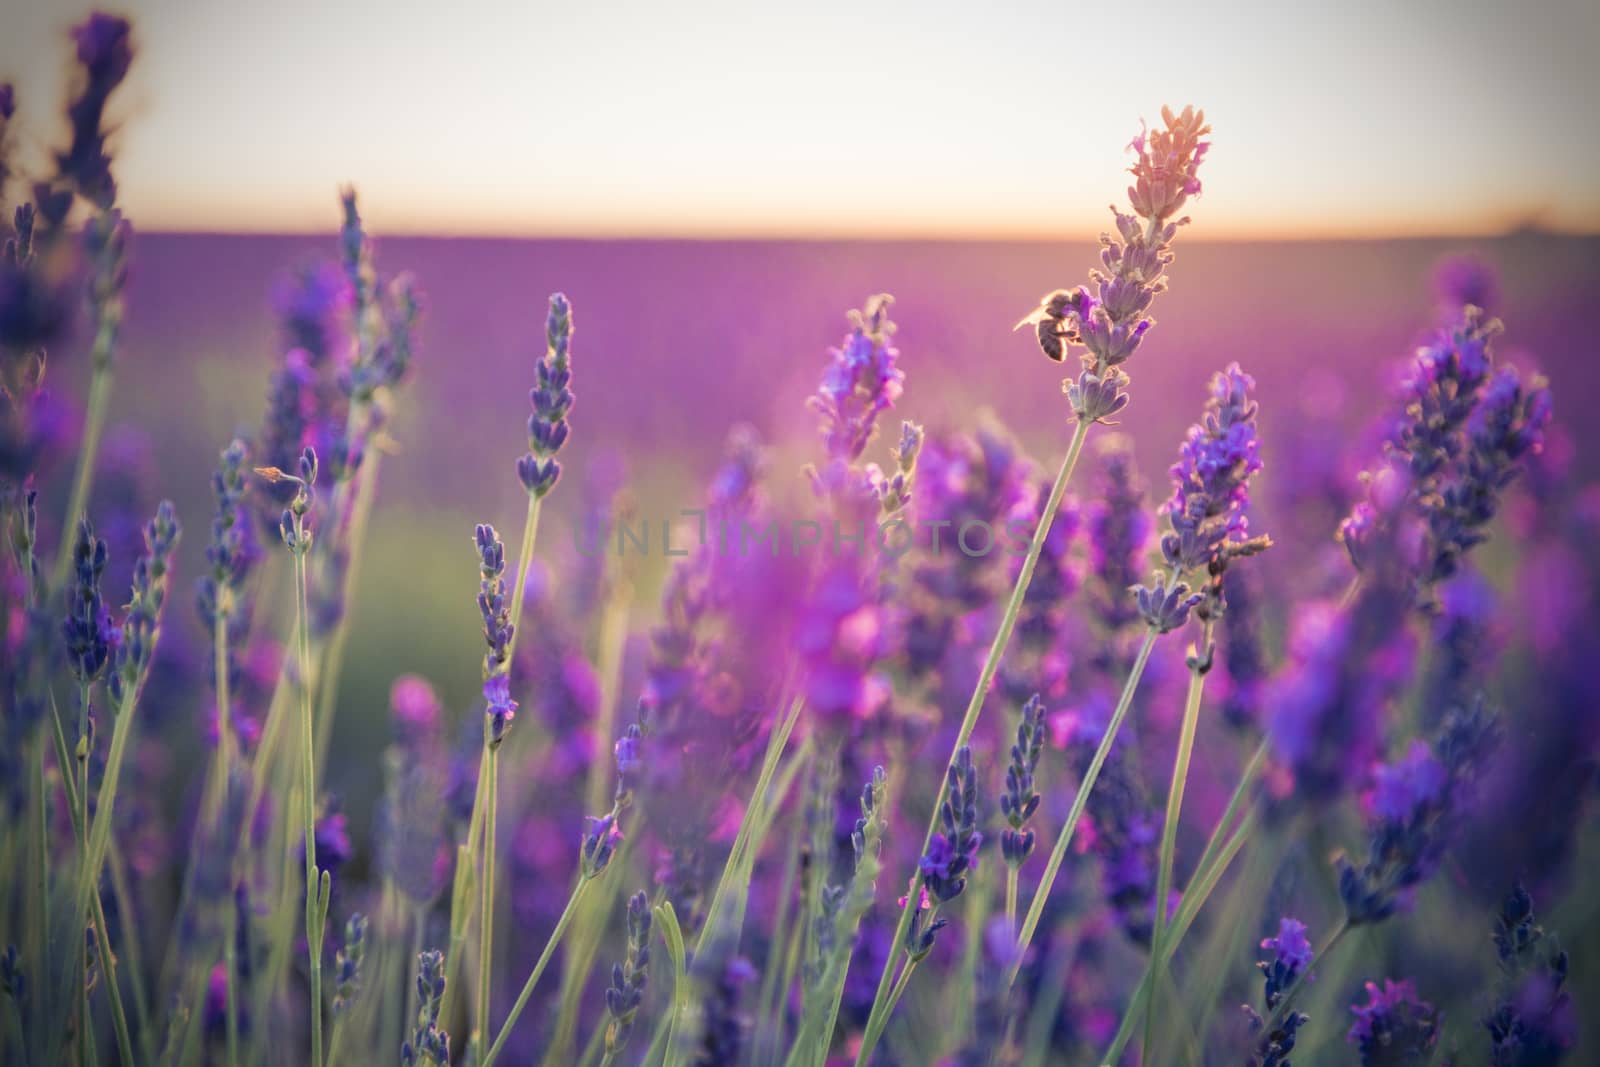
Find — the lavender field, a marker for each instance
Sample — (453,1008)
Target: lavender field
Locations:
(445,651)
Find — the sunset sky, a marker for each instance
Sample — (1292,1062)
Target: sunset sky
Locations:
(820,119)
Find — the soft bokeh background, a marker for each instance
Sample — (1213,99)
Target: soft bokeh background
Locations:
(677,341)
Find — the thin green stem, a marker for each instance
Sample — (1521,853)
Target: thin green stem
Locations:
(874,1030)
(1198,665)
(486,897)
(462,894)
(224,771)
(308,810)
(530,532)
(1200,888)
(108,968)
(123,895)
(1058,854)
(81,805)
(991,664)
(538,969)
(1012,875)
(738,860)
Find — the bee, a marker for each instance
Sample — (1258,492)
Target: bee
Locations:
(1055,322)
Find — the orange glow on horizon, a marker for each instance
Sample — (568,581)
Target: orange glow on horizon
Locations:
(1367,121)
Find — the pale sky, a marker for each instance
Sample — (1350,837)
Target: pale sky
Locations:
(610,117)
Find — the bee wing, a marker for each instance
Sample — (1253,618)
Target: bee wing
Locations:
(1033,319)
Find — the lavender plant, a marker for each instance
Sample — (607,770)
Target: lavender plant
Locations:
(781,675)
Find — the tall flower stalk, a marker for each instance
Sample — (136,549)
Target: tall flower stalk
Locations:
(296,534)
(499,710)
(1109,325)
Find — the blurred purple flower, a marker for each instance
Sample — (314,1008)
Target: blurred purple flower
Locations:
(1395,1026)
(861,382)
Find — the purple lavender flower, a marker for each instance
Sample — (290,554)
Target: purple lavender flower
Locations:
(551,399)
(1118,533)
(1242,649)
(1395,1026)
(331,837)
(492,602)
(141,624)
(628,978)
(428,1045)
(1057,576)
(310,304)
(1413,810)
(1020,799)
(1212,476)
(953,854)
(1291,955)
(840,640)
(1345,665)
(1122,827)
(499,708)
(722,977)
(861,382)
(347,964)
(412,850)
(974,494)
(1111,322)
(1532,1022)
(87,628)
(105,52)
(1506,426)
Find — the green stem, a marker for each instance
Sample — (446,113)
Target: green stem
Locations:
(1011,899)
(1198,665)
(94,421)
(738,860)
(1200,888)
(874,1030)
(991,664)
(308,810)
(224,771)
(121,891)
(81,806)
(530,531)
(108,967)
(1058,854)
(538,969)
(462,896)
(486,897)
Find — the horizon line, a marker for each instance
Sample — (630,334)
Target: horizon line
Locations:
(1352,235)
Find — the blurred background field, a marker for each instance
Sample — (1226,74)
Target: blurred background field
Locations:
(678,340)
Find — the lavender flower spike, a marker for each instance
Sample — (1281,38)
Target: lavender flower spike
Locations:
(1211,479)
(87,628)
(860,383)
(493,609)
(1020,799)
(551,399)
(428,1046)
(347,964)
(628,978)
(953,854)
(1395,1026)
(1111,321)
(1292,954)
